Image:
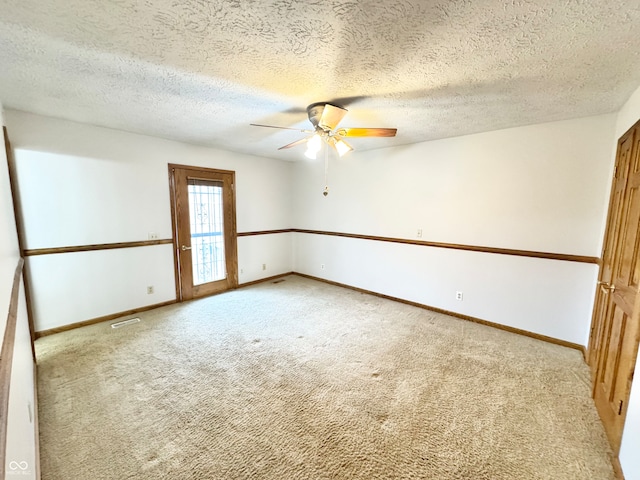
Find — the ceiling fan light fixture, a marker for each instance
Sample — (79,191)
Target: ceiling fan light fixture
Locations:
(313,147)
(342,147)
(315,143)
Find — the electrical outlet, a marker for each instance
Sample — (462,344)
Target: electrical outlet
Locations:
(153,236)
(459,296)
(241,271)
(264,266)
(322,266)
(419,233)
(150,290)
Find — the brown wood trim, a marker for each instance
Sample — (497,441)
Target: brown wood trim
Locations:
(425,243)
(617,468)
(519,331)
(72,326)
(13,182)
(584,354)
(97,246)
(36,421)
(456,246)
(232,240)
(19,219)
(266,232)
(199,169)
(264,280)
(174,234)
(6,361)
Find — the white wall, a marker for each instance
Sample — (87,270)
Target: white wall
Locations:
(21,432)
(628,115)
(82,184)
(541,296)
(280,259)
(21,441)
(629,458)
(73,287)
(540,187)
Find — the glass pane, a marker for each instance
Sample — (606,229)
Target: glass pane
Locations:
(207,231)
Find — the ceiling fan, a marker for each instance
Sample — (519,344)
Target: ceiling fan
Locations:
(325,118)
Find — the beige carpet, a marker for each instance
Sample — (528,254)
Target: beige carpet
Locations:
(303,380)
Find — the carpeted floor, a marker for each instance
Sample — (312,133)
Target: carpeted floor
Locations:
(303,380)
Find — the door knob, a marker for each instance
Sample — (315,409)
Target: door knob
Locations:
(606,288)
(185,248)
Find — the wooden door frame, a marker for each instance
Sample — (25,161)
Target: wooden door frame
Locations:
(233,234)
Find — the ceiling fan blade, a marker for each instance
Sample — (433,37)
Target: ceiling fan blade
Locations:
(281,128)
(297,142)
(331,116)
(367,132)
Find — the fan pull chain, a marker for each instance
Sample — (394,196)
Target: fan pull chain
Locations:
(325,192)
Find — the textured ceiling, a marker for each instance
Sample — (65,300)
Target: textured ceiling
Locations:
(200,71)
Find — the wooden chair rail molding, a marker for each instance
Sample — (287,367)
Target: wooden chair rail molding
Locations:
(265,232)
(94,247)
(425,243)
(6,361)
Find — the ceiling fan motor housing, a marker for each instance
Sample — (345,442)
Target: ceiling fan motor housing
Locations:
(314,111)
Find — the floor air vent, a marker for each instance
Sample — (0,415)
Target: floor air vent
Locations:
(124,323)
